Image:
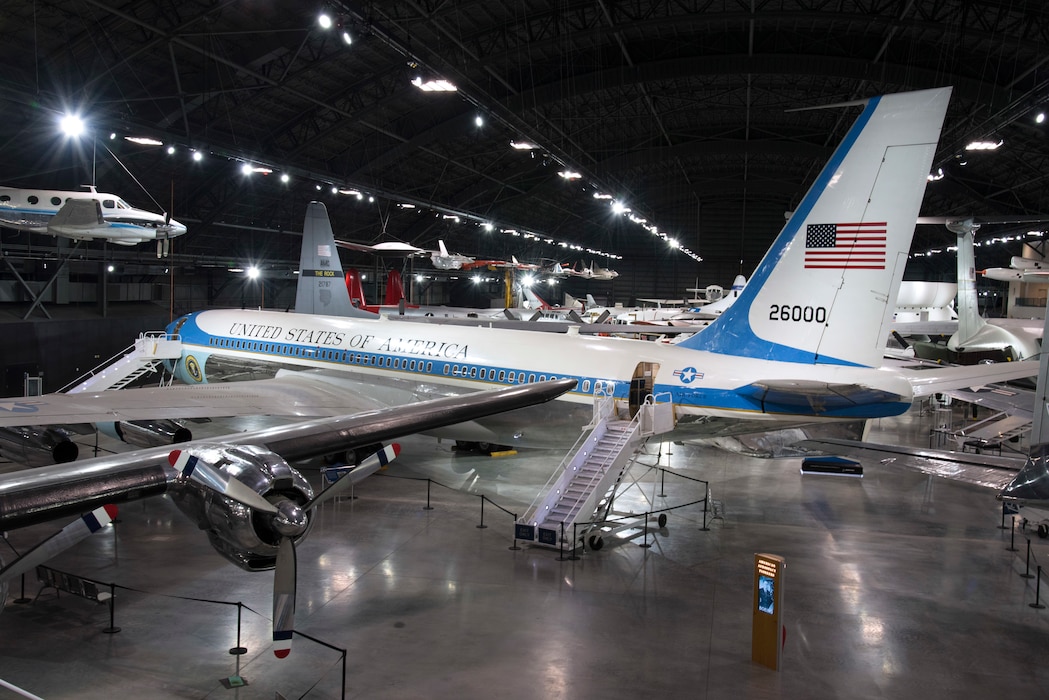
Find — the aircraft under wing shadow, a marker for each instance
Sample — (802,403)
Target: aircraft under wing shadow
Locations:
(240,489)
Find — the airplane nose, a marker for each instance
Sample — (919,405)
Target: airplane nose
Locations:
(177,229)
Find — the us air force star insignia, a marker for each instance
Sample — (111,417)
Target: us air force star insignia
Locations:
(688,375)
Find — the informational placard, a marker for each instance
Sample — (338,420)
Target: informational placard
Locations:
(766,646)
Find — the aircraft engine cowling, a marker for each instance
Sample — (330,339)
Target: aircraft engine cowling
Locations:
(37,446)
(147,433)
(247,537)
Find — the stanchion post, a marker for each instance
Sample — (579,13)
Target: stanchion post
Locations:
(427,506)
(1027,570)
(238,650)
(561,541)
(706,500)
(662,483)
(112,629)
(22,600)
(343,674)
(514,545)
(645,544)
(482,525)
(1038,590)
(1012,536)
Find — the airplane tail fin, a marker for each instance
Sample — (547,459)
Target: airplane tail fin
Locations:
(394,288)
(571,302)
(354,289)
(320,289)
(534,300)
(826,289)
(969,319)
(442,248)
(590,301)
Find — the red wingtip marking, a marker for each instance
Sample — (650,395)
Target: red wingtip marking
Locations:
(111,510)
(396,448)
(281,653)
(173,456)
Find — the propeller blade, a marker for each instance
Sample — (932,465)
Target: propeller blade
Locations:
(203,473)
(85,525)
(368,467)
(284,598)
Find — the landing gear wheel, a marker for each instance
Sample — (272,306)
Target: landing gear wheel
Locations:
(1043,530)
(485,448)
(465,446)
(662,520)
(596,542)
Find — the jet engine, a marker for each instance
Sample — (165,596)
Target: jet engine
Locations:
(243,534)
(37,446)
(147,433)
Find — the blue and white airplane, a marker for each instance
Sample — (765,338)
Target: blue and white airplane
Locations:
(83,215)
(785,353)
(803,343)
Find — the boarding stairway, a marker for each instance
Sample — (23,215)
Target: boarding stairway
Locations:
(144,356)
(582,484)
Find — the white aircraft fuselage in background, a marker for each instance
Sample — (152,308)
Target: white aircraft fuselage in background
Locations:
(83,215)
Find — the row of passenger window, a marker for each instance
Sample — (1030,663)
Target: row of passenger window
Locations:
(370,360)
(55,201)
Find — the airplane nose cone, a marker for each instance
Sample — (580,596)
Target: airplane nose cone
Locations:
(177,229)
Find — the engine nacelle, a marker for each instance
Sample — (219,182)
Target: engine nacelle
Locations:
(37,446)
(147,433)
(246,537)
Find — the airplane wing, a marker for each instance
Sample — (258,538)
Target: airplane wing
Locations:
(32,496)
(77,218)
(932,379)
(391,248)
(988,471)
(294,394)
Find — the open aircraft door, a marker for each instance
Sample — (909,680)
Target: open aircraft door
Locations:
(641,384)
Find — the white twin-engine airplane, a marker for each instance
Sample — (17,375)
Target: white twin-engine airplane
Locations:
(83,215)
(802,343)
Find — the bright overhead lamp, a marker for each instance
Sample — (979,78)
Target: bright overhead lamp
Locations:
(346,38)
(938,175)
(1039,118)
(479,120)
(245,169)
(569,174)
(523,146)
(285,178)
(143,141)
(325,21)
(171,150)
(436,85)
(488,227)
(600,195)
(72,125)
(984,145)
(198,156)
(619,207)
(253,272)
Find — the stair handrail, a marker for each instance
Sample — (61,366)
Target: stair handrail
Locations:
(554,476)
(160,335)
(604,464)
(617,446)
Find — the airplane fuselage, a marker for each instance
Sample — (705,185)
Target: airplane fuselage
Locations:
(35,211)
(712,394)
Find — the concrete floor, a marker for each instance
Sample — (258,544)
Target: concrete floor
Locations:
(897,585)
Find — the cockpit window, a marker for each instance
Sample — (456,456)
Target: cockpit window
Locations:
(121,204)
(109,203)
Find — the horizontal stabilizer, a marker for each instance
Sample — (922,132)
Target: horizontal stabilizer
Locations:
(818,397)
(928,381)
